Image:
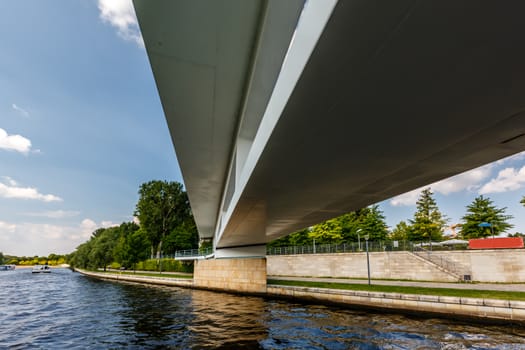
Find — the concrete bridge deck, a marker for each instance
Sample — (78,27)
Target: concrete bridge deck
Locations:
(286,113)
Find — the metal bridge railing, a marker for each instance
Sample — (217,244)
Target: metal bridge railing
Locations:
(193,253)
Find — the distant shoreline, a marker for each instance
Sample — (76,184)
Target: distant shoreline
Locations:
(31,266)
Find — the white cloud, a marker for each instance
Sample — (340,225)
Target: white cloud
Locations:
(88,224)
(108,223)
(29,239)
(469,180)
(121,15)
(20,110)
(508,179)
(405,199)
(55,214)
(12,190)
(10,181)
(16,143)
(7,227)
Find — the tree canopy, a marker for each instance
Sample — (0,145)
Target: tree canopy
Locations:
(163,208)
(400,232)
(428,222)
(482,210)
(342,229)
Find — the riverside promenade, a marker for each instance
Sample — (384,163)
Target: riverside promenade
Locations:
(482,309)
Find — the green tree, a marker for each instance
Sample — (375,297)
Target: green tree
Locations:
(81,257)
(351,223)
(516,234)
(162,207)
(137,244)
(327,232)
(344,228)
(104,244)
(483,210)
(300,237)
(400,232)
(182,237)
(428,221)
(121,252)
(1,258)
(373,224)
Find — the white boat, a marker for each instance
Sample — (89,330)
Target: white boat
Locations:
(41,269)
(7,267)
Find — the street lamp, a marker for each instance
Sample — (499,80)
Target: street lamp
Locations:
(358,238)
(367,258)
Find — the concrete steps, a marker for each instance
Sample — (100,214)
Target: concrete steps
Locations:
(449,267)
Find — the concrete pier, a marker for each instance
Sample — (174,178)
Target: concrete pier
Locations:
(231,274)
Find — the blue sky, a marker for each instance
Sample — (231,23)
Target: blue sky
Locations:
(81,127)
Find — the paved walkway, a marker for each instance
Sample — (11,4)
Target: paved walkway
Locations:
(514,287)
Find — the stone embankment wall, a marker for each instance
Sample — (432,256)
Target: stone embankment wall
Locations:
(488,309)
(485,266)
(165,281)
(494,265)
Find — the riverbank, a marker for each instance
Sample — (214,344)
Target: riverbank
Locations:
(482,309)
(166,281)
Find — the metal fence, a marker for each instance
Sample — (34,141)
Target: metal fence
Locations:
(355,247)
(376,246)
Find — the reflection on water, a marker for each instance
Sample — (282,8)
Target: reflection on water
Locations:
(227,320)
(67,310)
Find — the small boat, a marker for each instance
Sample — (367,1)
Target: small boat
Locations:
(7,267)
(41,269)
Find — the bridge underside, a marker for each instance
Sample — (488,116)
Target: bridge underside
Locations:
(374,99)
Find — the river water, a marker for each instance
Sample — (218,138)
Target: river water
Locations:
(65,310)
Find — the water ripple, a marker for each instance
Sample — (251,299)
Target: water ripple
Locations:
(64,310)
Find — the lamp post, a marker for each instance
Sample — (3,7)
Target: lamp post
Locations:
(367,258)
(358,239)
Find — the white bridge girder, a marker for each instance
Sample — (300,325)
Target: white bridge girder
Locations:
(373,99)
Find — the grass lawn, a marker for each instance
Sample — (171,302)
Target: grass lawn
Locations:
(466,293)
(148,274)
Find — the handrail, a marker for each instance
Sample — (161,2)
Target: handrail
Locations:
(188,253)
(451,266)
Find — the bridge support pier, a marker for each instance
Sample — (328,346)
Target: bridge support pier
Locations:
(233,269)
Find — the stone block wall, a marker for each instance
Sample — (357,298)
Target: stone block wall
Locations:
(232,274)
(383,265)
(494,265)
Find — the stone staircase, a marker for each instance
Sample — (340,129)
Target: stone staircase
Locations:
(453,268)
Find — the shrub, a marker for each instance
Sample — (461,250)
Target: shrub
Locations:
(169,265)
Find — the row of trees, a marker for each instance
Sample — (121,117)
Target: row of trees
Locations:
(51,259)
(345,228)
(428,223)
(166,225)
